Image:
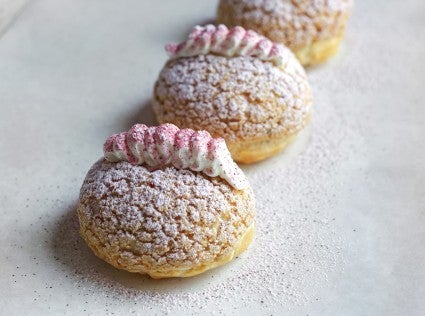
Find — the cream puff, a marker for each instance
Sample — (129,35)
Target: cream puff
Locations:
(166,202)
(235,84)
(312,29)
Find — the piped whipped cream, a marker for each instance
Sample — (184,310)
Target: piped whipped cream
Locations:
(228,42)
(183,148)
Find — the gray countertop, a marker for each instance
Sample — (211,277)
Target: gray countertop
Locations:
(340,214)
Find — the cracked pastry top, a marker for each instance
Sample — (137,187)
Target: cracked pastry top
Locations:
(248,90)
(158,219)
(312,29)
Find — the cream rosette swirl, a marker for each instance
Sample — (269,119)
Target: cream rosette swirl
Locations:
(228,42)
(182,148)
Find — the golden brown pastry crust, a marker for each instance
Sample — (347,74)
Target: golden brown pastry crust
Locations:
(252,151)
(318,51)
(310,29)
(165,223)
(254,105)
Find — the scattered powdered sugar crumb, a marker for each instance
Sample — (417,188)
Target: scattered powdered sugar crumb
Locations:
(297,244)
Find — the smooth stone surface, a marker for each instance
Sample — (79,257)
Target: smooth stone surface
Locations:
(73,72)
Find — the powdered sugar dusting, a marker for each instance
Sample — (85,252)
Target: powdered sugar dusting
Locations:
(234,98)
(154,221)
(296,23)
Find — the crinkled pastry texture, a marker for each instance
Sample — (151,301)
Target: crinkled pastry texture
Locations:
(238,98)
(295,23)
(161,222)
